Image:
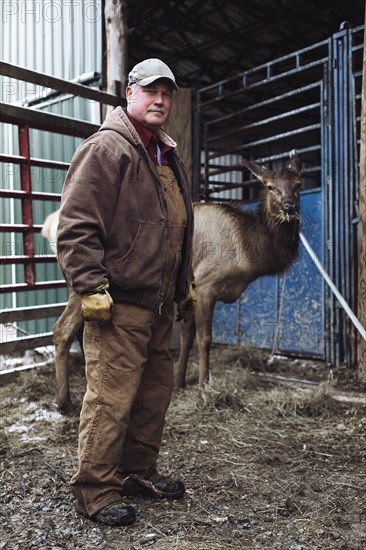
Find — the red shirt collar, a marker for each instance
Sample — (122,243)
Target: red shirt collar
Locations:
(144,133)
(149,141)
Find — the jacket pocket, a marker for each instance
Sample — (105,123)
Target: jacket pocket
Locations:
(142,265)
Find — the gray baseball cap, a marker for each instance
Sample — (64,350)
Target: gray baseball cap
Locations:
(148,71)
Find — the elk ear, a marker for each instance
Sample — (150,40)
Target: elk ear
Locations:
(294,164)
(257,170)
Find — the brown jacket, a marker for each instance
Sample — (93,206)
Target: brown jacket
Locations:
(114,219)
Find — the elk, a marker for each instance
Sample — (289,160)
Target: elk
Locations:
(231,248)
(68,327)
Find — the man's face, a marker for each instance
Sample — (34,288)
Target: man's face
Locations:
(150,105)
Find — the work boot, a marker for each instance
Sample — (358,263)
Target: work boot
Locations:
(117,514)
(154,484)
(167,487)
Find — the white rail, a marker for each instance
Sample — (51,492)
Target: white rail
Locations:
(361,329)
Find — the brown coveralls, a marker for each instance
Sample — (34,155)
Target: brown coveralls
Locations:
(129,373)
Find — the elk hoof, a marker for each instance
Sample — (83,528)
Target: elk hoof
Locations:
(66,408)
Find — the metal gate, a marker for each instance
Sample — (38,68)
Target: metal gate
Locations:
(21,244)
(310,101)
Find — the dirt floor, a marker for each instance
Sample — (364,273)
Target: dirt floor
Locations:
(265,466)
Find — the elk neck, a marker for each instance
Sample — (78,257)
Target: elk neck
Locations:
(271,246)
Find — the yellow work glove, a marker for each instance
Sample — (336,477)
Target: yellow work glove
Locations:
(97,305)
(187,308)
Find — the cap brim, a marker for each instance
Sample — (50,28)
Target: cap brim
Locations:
(151,79)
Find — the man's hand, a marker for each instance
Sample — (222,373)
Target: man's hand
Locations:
(97,305)
(187,308)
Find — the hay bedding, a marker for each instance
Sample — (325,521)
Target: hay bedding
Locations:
(265,466)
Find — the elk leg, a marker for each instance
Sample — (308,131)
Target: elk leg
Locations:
(65,331)
(204,315)
(187,334)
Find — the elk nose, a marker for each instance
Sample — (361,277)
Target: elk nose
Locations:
(289,207)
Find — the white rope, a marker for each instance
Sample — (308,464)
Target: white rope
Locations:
(333,288)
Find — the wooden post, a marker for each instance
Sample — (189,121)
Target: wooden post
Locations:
(115,17)
(179,126)
(361,349)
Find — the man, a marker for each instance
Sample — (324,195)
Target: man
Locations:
(124,244)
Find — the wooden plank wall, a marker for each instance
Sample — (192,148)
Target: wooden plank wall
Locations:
(179,125)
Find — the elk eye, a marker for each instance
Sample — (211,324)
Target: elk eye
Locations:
(269,187)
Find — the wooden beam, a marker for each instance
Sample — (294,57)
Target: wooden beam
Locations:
(115,17)
(179,126)
(361,348)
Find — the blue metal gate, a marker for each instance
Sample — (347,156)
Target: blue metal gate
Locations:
(308,101)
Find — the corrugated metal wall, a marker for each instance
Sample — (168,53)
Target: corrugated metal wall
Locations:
(62,38)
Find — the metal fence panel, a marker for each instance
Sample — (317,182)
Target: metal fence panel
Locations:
(310,101)
(62,39)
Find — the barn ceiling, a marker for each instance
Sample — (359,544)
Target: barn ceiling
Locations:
(208,41)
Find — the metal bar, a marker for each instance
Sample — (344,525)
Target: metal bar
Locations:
(27,212)
(206,169)
(264,121)
(329,164)
(4,289)
(266,140)
(42,79)
(37,195)
(8,376)
(48,94)
(41,120)
(224,186)
(31,313)
(13,159)
(43,163)
(16,159)
(357,75)
(324,142)
(272,80)
(271,158)
(264,103)
(354,188)
(236,167)
(262,67)
(18,228)
(347,200)
(8,260)
(216,170)
(23,344)
(336,189)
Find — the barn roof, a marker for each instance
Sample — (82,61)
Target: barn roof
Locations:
(208,41)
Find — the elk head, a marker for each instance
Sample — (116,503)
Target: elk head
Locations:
(281,200)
